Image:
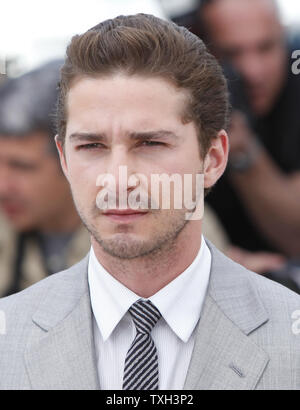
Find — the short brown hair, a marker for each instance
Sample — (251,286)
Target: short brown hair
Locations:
(146,45)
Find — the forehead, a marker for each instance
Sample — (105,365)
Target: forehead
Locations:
(25,146)
(121,100)
(242,21)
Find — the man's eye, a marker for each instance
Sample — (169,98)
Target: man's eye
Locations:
(90,146)
(151,143)
(25,167)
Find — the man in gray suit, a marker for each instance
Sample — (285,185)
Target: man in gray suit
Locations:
(153,305)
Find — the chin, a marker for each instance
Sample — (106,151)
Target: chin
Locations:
(124,249)
(261,106)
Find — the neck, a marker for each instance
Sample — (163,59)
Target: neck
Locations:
(146,275)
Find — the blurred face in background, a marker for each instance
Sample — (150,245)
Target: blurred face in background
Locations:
(249,35)
(33,190)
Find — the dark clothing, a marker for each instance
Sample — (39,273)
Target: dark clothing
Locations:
(279,132)
(51,247)
(28,257)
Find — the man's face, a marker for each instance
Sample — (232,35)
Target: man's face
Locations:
(135,122)
(32,187)
(248,34)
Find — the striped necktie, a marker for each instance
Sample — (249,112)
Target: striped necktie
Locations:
(141,364)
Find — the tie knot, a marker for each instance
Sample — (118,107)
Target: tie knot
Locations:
(145,316)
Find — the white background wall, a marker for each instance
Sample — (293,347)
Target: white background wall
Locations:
(290,11)
(35,31)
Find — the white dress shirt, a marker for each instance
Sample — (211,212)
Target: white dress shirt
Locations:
(180,303)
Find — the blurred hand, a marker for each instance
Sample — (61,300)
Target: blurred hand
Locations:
(259,262)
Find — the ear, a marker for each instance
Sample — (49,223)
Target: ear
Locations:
(62,157)
(216,159)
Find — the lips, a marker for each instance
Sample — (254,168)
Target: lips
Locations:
(124,215)
(123,212)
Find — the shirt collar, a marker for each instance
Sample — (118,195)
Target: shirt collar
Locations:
(180,302)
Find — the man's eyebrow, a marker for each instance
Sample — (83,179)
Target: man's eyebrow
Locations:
(90,137)
(160,134)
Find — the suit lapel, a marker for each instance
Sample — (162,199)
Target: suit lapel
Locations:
(61,353)
(224,356)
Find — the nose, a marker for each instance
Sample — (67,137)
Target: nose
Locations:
(119,167)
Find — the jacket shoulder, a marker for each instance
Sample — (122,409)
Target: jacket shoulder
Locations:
(19,307)
(232,276)
(28,315)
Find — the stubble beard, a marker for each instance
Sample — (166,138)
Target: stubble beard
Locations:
(124,246)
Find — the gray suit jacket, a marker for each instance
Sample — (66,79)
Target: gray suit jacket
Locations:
(244,340)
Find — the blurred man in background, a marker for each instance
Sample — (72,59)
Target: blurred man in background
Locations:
(262,185)
(40,231)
